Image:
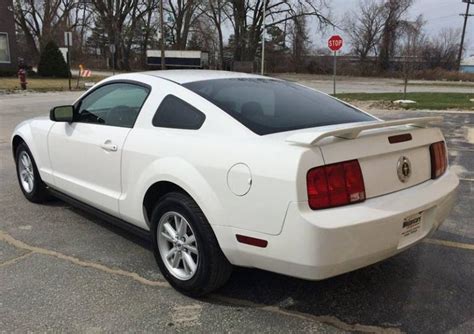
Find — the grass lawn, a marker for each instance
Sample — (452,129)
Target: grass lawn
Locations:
(434,101)
(44,84)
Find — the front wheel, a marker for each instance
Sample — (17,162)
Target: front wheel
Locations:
(186,248)
(28,176)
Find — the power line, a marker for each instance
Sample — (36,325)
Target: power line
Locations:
(442,17)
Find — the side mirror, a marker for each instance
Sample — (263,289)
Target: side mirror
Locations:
(62,114)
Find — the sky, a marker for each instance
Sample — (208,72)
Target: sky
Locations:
(438,14)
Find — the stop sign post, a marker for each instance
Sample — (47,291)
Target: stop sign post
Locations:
(335,43)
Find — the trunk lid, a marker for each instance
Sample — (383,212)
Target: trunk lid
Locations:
(381,159)
(381,162)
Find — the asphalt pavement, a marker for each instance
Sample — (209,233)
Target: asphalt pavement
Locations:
(63,270)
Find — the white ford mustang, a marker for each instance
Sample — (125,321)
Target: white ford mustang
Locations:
(227,169)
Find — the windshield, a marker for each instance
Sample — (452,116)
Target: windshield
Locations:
(268,106)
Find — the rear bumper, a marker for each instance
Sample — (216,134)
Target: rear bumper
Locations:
(324,243)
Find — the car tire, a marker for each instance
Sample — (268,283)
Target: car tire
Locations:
(195,243)
(28,176)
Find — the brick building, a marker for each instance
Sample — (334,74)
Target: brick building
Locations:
(8,47)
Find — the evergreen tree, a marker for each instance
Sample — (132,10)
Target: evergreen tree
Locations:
(52,63)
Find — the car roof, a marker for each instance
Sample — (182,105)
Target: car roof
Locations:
(185,76)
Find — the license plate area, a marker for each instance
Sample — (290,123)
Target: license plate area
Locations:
(412,229)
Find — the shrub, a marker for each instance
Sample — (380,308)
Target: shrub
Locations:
(7,73)
(442,74)
(52,62)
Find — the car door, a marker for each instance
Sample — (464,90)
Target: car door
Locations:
(86,154)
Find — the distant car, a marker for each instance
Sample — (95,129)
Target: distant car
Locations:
(227,169)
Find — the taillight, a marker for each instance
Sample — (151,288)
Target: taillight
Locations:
(335,185)
(439,159)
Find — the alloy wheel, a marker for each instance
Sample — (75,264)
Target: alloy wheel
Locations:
(177,245)
(25,169)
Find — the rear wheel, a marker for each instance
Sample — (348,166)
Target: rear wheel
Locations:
(186,248)
(30,181)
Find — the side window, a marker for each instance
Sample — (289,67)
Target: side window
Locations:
(115,104)
(177,114)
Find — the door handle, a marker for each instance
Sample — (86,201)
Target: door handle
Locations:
(108,146)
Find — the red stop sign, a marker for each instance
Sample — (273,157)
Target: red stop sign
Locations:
(335,42)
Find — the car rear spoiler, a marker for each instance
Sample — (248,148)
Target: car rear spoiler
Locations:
(353,130)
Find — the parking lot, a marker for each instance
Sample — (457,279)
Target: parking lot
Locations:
(64,270)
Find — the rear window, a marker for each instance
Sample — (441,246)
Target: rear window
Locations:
(268,106)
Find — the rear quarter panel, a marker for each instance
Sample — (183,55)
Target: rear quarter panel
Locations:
(200,164)
(199,161)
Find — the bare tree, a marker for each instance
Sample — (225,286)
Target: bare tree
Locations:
(146,27)
(246,17)
(137,32)
(39,20)
(299,41)
(215,11)
(364,27)
(203,38)
(82,17)
(441,51)
(132,24)
(121,22)
(412,39)
(393,11)
(182,16)
(112,16)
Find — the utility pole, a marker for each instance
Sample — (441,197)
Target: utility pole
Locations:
(468,3)
(263,35)
(162,28)
(113,50)
(68,41)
